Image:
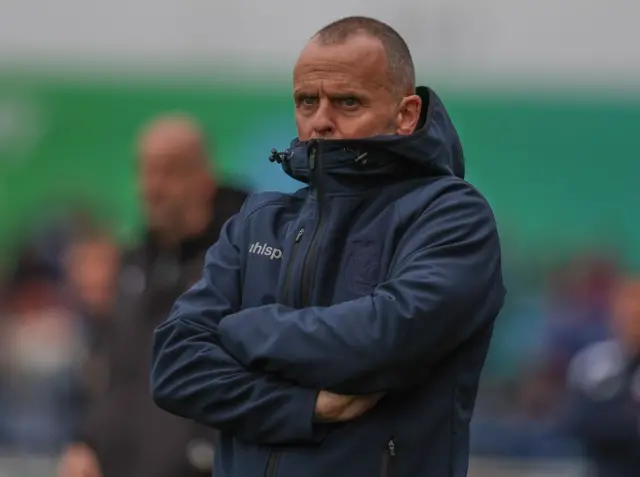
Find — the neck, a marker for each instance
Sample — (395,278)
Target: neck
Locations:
(193,223)
(197,221)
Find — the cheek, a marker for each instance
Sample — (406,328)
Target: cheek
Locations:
(179,195)
(303,127)
(154,187)
(626,320)
(365,125)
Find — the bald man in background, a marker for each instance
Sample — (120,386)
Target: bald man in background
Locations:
(123,433)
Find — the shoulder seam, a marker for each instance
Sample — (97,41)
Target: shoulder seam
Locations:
(263,205)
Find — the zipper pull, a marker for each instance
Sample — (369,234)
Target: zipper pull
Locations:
(312,159)
(392,448)
(299,235)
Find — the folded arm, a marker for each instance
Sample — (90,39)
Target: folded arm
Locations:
(194,377)
(446,284)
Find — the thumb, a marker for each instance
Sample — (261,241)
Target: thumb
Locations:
(375,397)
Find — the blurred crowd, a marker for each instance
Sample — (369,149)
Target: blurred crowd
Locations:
(54,303)
(553,312)
(62,294)
(78,314)
(58,299)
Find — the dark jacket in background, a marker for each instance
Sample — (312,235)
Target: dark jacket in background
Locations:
(604,412)
(132,436)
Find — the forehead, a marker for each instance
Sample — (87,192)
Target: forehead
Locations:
(360,61)
(631,287)
(98,247)
(164,140)
(173,148)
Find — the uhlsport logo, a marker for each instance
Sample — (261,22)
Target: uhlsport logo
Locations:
(263,249)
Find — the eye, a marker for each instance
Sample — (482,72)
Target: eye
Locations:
(349,102)
(306,101)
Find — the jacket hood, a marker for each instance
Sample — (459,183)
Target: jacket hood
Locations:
(434,149)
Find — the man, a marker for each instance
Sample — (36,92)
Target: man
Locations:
(340,331)
(124,433)
(91,265)
(604,380)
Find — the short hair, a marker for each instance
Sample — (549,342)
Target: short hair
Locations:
(401,69)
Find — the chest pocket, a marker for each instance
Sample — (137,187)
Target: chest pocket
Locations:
(361,269)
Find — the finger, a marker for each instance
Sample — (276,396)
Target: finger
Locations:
(358,409)
(368,400)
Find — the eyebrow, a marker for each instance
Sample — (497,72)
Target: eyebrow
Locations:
(346,94)
(303,94)
(332,95)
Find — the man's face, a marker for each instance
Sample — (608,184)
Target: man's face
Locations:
(92,269)
(168,182)
(626,312)
(343,91)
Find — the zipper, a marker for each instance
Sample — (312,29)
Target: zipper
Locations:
(288,273)
(272,464)
(312,254)
(389,459)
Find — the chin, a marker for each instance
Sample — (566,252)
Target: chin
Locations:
(156,224)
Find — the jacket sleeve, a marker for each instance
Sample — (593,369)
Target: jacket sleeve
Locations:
(194,377)
(446,285)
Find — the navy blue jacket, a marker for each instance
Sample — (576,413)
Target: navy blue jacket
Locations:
(383,274)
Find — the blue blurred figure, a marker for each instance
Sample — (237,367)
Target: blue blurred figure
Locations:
(604,381)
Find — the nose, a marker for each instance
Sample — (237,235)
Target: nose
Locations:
(322,123)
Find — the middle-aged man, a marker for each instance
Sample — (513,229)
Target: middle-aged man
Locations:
(122,432)
(341,330)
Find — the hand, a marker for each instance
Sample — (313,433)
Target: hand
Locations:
(331,407)
(79,460)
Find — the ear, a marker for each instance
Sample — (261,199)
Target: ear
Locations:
(408,115)
(210,186)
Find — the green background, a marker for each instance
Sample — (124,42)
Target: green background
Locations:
(558,172)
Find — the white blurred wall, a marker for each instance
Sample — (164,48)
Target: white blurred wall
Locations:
(588,40)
